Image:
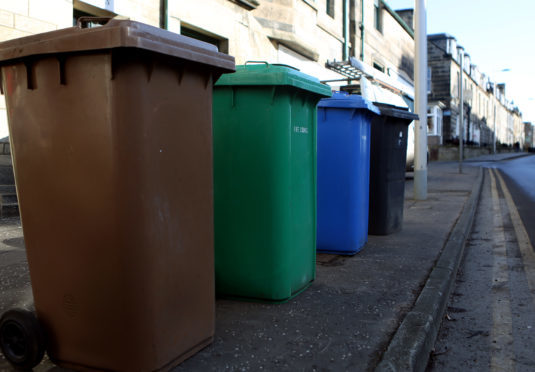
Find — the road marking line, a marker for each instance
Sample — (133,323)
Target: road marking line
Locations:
(522,237)
(502,357)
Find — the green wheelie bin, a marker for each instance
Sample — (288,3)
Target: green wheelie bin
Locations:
(264,127)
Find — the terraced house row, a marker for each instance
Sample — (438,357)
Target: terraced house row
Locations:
(341,42)
(489,114)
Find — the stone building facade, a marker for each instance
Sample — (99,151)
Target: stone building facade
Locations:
(28,17)
(487,112)
(388,40)
(529,137)
(301,33)
(22,18)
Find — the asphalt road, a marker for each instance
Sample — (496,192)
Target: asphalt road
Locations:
(490,321)
(519,175)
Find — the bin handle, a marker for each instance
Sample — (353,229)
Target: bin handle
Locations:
(257,62)
(273,64)
(84,22)
(285,65)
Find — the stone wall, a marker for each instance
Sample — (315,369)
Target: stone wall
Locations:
(392,47)
(20,18)
(228,22)
(451,153)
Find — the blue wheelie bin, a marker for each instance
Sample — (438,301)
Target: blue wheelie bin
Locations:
(344,123)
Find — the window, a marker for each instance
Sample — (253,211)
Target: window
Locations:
(449,47)
(330,8)
(247,4)
(82,9)
(428,80)
(221,44)
(377,15)
(455,86)
(379,67)
(79,13)
(431,130)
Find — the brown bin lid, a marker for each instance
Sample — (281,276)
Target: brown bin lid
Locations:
(116,34)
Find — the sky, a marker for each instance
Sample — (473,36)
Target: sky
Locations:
(497,34)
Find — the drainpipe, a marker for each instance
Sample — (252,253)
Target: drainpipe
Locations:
(346,31)
(163,14)
(461,109)
(362,30)
(494,136)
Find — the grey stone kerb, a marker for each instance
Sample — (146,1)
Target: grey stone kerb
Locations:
(412,343)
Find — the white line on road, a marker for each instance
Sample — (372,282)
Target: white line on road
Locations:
(502,358)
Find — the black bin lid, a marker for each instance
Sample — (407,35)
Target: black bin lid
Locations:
(395,111)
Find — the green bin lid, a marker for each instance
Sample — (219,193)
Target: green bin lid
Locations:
(262,74)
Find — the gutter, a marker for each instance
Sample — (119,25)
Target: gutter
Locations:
(345,54)
(362,31)
(398,19)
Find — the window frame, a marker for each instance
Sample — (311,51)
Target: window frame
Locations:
(378,15)
(378,66)
(329,8)
(222,44)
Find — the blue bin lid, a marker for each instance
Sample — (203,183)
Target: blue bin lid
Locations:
(349,101)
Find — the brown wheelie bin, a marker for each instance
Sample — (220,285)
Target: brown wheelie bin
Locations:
(111,134)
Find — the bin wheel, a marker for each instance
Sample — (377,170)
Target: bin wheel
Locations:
(22,340)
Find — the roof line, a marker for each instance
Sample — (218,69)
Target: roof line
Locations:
(396,16)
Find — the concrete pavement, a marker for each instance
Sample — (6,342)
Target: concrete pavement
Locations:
(377,310)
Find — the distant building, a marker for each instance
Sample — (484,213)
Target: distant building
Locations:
(529,135)
(488,115)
